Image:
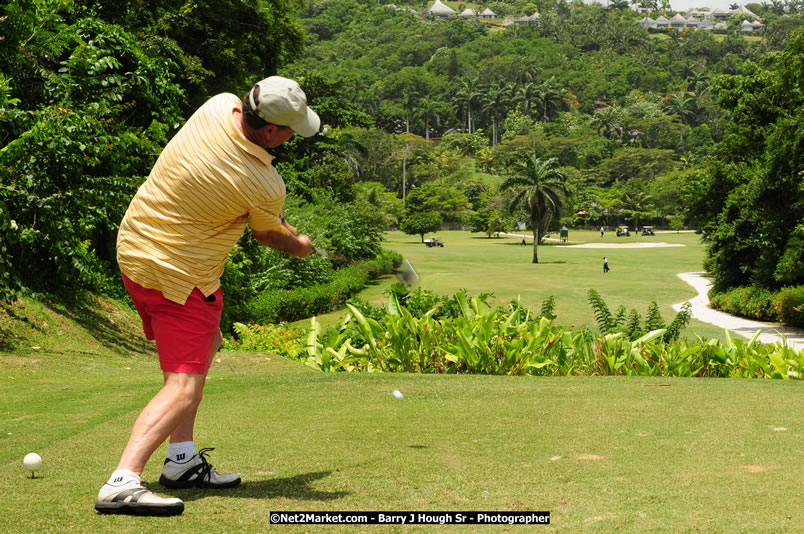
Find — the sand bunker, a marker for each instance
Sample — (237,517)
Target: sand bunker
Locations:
(626,245)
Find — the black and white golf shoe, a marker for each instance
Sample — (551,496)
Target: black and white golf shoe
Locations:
(196,472)
(134,498)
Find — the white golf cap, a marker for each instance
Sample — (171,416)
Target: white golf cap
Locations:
(282,102)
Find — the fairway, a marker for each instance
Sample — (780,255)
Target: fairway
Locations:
(599,453)
(503,267)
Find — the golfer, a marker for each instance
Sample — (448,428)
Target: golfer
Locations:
(211,180)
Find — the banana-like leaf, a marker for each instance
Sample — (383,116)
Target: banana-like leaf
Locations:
(753,338)
(312,339)
(653,334)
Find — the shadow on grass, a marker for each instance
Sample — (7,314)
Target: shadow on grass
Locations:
(98,318)
(296,487)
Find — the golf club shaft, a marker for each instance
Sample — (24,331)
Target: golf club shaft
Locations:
(333,255)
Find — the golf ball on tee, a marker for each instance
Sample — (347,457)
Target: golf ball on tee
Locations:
(398,394)
(32,461)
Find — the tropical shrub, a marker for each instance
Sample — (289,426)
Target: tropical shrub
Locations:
(276,339)
(512,340)
(753,302)
(272,306)
(785,306)
(70,166)
(789,304)
(630,324)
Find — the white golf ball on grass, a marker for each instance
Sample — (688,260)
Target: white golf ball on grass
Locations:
(398,394)
(32,462)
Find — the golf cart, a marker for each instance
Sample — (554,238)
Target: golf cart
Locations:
(623,230)
(434,241)
(647,230)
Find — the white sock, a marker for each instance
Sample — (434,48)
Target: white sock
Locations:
(121,476)
(181,452)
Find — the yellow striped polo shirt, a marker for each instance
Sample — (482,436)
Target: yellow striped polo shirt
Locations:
(207,183)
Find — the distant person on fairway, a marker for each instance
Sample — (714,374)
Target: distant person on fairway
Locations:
(601,231)
(211,180)
(605,264)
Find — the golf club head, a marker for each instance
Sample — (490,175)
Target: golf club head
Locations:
(407,273)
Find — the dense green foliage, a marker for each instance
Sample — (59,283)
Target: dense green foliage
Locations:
(784,306)
(304,301)
(646,127)
(631,324)
(89,94)
(749,200)
(515,342)
(423,117)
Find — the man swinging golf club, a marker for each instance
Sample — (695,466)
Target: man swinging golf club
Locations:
(211,180)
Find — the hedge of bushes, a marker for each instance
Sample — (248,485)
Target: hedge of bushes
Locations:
(272,306)
(784,306)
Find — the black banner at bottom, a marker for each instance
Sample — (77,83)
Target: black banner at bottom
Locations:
(410,518)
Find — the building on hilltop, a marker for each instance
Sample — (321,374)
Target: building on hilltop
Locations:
(751,26)
(438,9)
(488,14)
(521,20)
(466,13)
(705,20)
(678,22)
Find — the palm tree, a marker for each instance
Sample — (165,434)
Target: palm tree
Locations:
(430,110)
(698,82)
(525,95)
(685,105)
(352,150)
(608,123)
(468,96)
(540,187)
(408,101)
(496,102)
(549,99)
(638,202)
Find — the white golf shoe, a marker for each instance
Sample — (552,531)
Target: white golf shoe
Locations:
(134,498)
(196,472)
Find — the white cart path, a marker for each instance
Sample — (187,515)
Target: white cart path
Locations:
(770,332)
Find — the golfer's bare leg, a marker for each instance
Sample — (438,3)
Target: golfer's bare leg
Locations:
(184,430)
(177,399)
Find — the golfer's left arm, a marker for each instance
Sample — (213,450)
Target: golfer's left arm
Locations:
(286,241)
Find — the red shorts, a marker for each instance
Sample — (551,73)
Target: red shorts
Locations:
(184,333)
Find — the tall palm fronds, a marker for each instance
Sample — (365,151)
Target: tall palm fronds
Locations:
(468,96)
(540,187)
(496,102)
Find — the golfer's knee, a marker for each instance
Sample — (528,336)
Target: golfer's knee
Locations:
(186,389)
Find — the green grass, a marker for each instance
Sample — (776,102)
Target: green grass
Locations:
(503,267)
(601,453)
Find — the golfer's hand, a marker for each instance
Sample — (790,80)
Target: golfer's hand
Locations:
(289,227)
(305,246)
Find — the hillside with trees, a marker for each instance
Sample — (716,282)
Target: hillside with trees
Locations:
(639,123)
(426,119)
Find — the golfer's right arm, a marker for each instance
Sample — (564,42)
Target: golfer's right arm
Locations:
(295,245)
